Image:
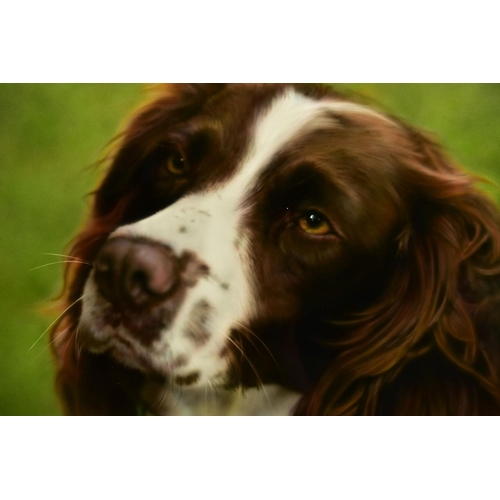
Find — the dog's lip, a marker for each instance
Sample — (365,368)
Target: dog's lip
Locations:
(96,346)
(88,339)
(142,325)
(124,347)
(120,336)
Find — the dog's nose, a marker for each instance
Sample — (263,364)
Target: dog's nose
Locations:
(134,272)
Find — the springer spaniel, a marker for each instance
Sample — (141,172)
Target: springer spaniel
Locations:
(281,249)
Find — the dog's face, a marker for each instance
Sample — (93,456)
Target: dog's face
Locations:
(266,205)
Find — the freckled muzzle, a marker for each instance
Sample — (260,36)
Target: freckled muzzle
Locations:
(170,287)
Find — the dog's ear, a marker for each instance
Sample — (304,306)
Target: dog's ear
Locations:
(90,384)
(455,245)
(430,344)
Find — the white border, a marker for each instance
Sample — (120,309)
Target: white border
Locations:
(384,41)
(267,457)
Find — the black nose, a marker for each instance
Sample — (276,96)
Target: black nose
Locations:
(134,272)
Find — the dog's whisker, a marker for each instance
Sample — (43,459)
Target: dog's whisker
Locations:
(78,344)
(60,334)
(68,342)
(258,338)
(54,322)
(72,257)
(162,394)
(261,385)
(61,262)
(214,397)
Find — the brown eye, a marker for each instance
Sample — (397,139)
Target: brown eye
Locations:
(314,222)
(176,164)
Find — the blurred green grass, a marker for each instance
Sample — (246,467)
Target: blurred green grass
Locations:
(51,134)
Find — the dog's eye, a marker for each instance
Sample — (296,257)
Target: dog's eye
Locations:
(176,164)
(314,222)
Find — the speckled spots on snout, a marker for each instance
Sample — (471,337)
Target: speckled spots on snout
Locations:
(196,329)
(190,379)
(180,361)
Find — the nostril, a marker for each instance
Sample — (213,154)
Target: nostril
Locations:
(139,278)
(150,273)
(102,266)
(137,287)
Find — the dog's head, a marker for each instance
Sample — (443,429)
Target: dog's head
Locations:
(236,221)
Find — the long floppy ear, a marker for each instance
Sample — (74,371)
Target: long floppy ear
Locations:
(94,384)
(431,342)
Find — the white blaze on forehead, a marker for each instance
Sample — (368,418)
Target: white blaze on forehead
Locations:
(288,115)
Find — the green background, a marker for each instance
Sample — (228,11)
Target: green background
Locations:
(51,135)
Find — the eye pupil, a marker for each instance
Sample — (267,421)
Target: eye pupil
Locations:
(314,220)
(178,161)
(176,164)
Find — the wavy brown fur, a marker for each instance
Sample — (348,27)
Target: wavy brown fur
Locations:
(429,345)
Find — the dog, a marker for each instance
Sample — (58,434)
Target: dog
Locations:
(280,250)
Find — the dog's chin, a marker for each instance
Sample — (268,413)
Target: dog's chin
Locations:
(131,354)
(108,340)
(127,355)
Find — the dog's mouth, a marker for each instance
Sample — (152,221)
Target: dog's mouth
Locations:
(145,326)
(130,336)
(120,345)
(128,353)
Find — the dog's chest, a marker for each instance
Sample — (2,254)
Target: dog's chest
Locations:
(271,400)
